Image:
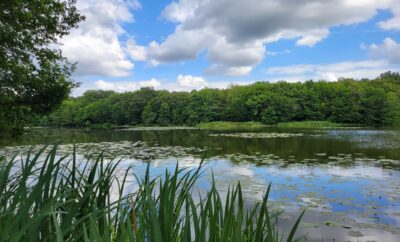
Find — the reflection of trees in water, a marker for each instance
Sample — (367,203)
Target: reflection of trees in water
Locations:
(291,149)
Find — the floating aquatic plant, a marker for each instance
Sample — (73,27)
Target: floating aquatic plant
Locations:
(258,135)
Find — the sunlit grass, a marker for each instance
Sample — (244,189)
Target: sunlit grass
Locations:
(44,197)
(309,124)
(224,125)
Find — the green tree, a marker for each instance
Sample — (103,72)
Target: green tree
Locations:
(374,105)
(392,110)
(369,102)
(34,76)
(345,103)
(150,112)
(66,114)
(138,101)
(164,117)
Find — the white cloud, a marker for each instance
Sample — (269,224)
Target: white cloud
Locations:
(234,33)
(179,12)
(333,71)
(275,53)
(191,82)
(183,45)
(312,38)
(389,50)
(95,44)
(394,22)
(384,57)
(182,83)
(221,69)
(103,85)
(136,52)
(96,56)
(151,83)
(126,86)
(233,59)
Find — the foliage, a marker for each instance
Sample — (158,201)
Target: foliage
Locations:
(34,76)
(63,199)
(366,102)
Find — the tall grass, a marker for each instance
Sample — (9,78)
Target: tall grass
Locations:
(44,197)
(309,124)
(225,125)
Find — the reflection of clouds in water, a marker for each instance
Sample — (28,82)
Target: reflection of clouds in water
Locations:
(369,172)
(394,214)
(316,204)
(293,171)
(183,162)
(227,175)
(379,139)
(358,172)
(241,171)
(157,168)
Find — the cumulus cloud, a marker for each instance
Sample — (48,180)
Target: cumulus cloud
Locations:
(313,37)
(191,82)
(234,33)
(233,59)
(180,11)
(103,85)
(95,44)
(389,50)
(331,72)
(182,83)
(126,86)
(394,22)
(136,52)
(180,46)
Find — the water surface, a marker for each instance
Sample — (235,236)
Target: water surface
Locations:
(348,180)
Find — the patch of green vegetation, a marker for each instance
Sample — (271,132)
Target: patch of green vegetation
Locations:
(309,124)
(47,197)
(157,128)
(224,125)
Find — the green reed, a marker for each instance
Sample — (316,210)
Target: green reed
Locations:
(45,197)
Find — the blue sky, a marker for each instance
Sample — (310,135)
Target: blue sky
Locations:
(192,44)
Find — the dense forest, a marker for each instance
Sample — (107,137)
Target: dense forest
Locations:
(368,102)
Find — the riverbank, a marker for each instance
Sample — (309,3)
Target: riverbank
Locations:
(217,125)
(311,125)
(223,125)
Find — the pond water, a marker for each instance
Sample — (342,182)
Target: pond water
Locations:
(348,180)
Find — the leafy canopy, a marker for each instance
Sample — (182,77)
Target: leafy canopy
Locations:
(34,76)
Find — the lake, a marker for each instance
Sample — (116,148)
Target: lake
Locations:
(347,179)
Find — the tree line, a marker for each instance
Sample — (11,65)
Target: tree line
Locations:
(368,102)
